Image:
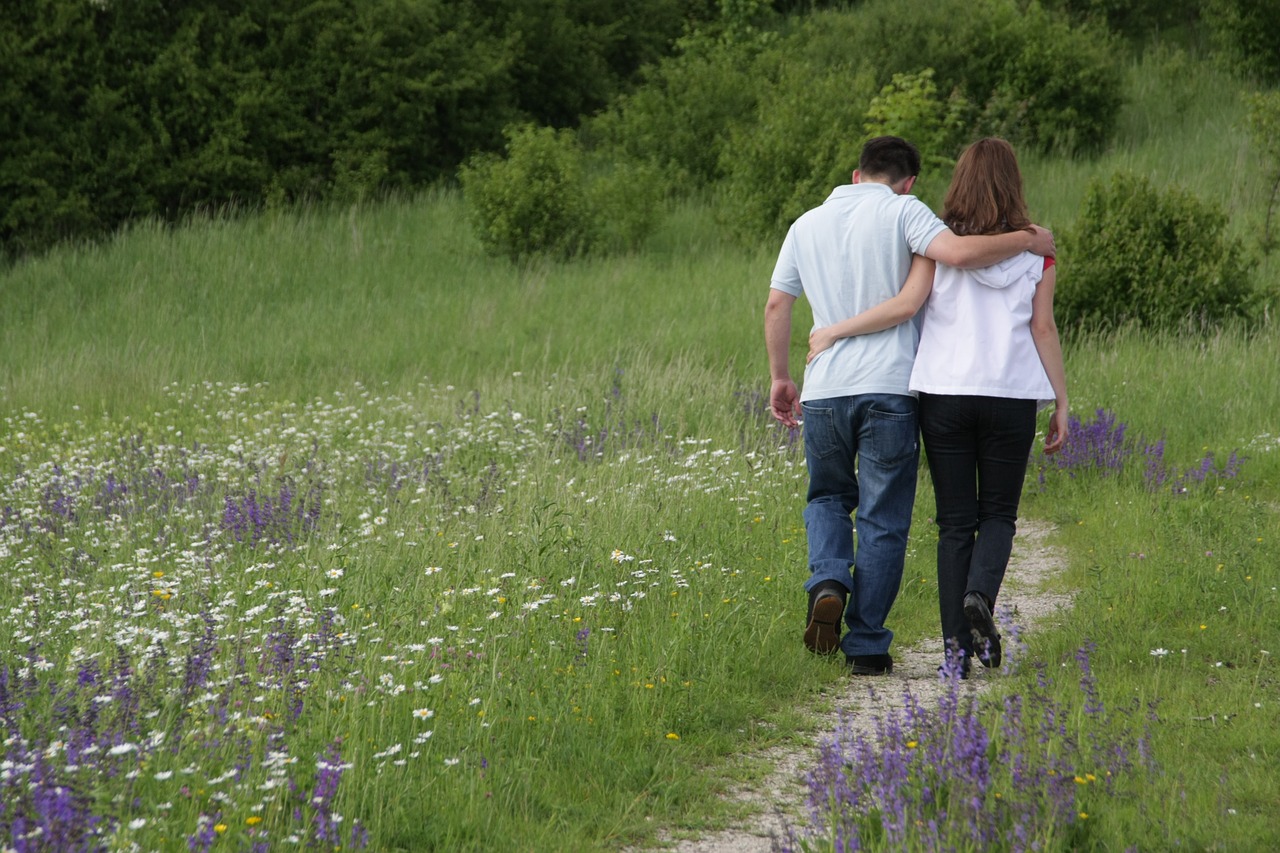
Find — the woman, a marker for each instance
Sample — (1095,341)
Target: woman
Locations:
(989,350)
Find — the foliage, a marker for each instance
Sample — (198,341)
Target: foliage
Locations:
(120,110)
(804,140)
(1247,36)
(546,198)
(1023,75)
(910,107)
(1159,258)
(1033,79)
(532,202)
(683,113)
(1264,130)
(626,200)
(1132,18)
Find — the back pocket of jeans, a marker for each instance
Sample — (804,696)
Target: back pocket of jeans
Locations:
(892,439)
(819,431)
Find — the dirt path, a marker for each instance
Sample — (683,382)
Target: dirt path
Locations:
(781,796)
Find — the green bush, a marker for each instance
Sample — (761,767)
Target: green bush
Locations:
(115,110)
(547,198)
(1034,79)
(682,114)
(940,72)
(911,107)
(806,139)
(1132,18)
(1155,258)
(1264,130)
(533,202)
(625,199)
(1247,34)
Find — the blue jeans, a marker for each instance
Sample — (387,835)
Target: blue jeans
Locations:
(863,453)
(978,448)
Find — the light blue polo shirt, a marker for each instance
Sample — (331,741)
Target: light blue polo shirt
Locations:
(847,255)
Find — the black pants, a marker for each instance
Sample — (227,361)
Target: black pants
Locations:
(977,449)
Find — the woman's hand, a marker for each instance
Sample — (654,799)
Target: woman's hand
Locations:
(1056,436)
(820,340)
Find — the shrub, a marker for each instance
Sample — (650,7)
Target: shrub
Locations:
(1264,129)
(1036,80)
(805,140)
(682,115)
(533,202)
(939,72)
(625,200)
(1247,34)
(118,110)
(1157,258)
(1131,17)
(910,107)
(549,198)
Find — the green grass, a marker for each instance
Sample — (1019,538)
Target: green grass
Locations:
(525,431)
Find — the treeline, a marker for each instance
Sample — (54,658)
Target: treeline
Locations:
(118,109)
(569,121)
(764,121)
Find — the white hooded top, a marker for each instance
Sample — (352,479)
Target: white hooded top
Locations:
(976,337)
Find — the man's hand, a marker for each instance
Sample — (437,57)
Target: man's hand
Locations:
(784,402)
(1042,242)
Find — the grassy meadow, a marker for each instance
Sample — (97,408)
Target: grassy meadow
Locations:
(322,529)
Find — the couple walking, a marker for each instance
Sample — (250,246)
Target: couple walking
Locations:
(988,350)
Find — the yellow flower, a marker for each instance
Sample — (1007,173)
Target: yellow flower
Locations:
(253,821)
(911,744)
(220,828)
(1080,781)
(1084,815)
(672,736)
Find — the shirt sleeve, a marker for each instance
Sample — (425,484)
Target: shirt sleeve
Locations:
(786,274)
(1048,262)
(920,225)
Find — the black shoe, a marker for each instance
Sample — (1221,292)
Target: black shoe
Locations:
(826,611)
(986,641)
(869,664)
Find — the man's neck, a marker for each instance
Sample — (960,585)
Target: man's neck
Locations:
(901,187)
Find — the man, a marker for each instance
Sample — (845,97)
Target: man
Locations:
(850,254)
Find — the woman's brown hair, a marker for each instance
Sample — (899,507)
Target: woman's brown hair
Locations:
(985,196)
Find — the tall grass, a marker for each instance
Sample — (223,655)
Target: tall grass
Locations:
(324,528)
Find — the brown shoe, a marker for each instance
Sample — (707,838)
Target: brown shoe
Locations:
(826,612)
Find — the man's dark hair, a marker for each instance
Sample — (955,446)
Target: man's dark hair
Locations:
(889,157)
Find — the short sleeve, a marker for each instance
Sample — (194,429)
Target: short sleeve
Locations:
(1048,262)
(786,273)
(920,225)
